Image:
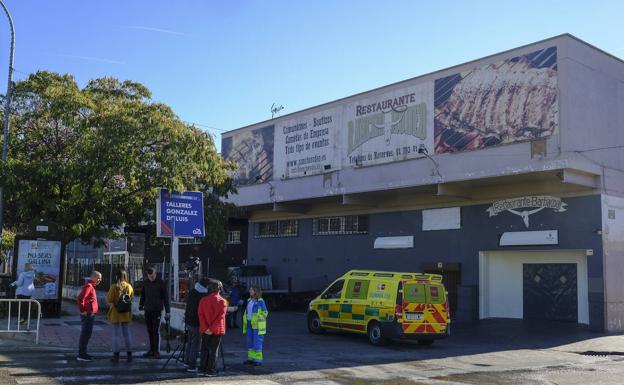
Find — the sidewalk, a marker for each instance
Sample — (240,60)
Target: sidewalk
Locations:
(65,331)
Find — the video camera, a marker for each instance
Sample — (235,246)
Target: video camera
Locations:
(192,264)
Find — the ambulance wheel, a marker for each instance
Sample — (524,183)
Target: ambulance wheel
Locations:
(314,324)
(425,342)
(375,334)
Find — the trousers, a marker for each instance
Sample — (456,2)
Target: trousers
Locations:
(121,328)
(254,343)
(193,342)
(152,322)
(85,333)
(209,352)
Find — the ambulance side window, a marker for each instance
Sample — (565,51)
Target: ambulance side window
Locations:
(357,289)
(335,290)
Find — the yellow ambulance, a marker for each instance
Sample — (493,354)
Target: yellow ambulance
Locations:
(384,305)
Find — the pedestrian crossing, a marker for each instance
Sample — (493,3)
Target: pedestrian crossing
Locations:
(48,365)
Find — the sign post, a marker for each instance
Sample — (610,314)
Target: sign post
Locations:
(179,215)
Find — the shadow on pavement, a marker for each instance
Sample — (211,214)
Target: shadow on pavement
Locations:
(289,347)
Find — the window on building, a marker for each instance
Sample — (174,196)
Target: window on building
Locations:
(189,241)
(284,228)
(233,237)
(351,224)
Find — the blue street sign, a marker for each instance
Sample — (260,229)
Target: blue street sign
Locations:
(181,214)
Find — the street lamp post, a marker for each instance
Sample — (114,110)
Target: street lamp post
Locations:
(7,105)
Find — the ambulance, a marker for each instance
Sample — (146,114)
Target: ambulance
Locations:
(383,305)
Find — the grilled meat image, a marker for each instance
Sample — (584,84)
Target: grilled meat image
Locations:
(504,102)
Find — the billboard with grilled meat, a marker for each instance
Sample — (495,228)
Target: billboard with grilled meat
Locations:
(504,102)
(252,151)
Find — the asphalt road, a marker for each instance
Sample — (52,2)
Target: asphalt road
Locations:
(488,352)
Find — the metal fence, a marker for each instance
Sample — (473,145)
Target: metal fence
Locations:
(19,304)
(79,269)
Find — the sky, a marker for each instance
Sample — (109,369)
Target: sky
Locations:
(222,64)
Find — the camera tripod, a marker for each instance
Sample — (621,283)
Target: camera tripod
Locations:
(179,351)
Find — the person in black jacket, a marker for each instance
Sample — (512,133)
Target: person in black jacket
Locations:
(193,339)
(153,299)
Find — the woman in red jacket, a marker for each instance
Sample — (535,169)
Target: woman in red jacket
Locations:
(211,313)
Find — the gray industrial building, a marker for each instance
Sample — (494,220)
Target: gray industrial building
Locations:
(505,174)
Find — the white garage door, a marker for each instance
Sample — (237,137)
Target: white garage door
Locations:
(502,285)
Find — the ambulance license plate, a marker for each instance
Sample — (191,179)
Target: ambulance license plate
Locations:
(413,316)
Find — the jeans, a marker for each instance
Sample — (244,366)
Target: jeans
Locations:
(152,322)
(22,308)
(209,352)
(121,328)
(193,340)
(232,317)
(85,333)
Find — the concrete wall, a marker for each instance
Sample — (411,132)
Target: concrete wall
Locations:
(613,244)
(592,110)
(316,259)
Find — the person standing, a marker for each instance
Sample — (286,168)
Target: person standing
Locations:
(235,301)
(25,288)
(191,319)
(211,313)
(119,298)
(88,306)
(153,299)
(254,325)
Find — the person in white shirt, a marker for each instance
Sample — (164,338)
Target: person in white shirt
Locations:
(25,288)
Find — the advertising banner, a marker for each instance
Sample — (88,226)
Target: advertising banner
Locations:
(252,151)
(504,102)
(308,145)
(45,257)
(389,127)
(180,213)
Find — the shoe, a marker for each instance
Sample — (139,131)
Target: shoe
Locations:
(256,363)
(148,354)
(156,355)
(210,373)
(129,356)
(84,358)
(22,321)
(191,370)
(90,357)
(115,359)
(248,362)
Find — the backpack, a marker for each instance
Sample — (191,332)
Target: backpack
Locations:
(124,304)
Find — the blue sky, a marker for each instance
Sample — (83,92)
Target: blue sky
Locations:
(222,64)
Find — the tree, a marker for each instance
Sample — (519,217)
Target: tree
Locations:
(91,159)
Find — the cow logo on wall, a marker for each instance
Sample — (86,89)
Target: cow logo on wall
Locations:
(526,206)
(389,127)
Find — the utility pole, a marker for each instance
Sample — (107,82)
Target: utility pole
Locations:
(7,105)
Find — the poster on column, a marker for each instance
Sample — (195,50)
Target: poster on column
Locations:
(45,258)
(307,145)
(389,127)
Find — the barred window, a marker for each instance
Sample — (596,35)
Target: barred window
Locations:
(351,224)
(284,228)
(233,237)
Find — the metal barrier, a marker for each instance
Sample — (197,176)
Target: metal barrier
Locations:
(18,328)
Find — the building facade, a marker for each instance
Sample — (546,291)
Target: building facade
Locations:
(505,174)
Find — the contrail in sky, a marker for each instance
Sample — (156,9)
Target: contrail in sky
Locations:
(151,29)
